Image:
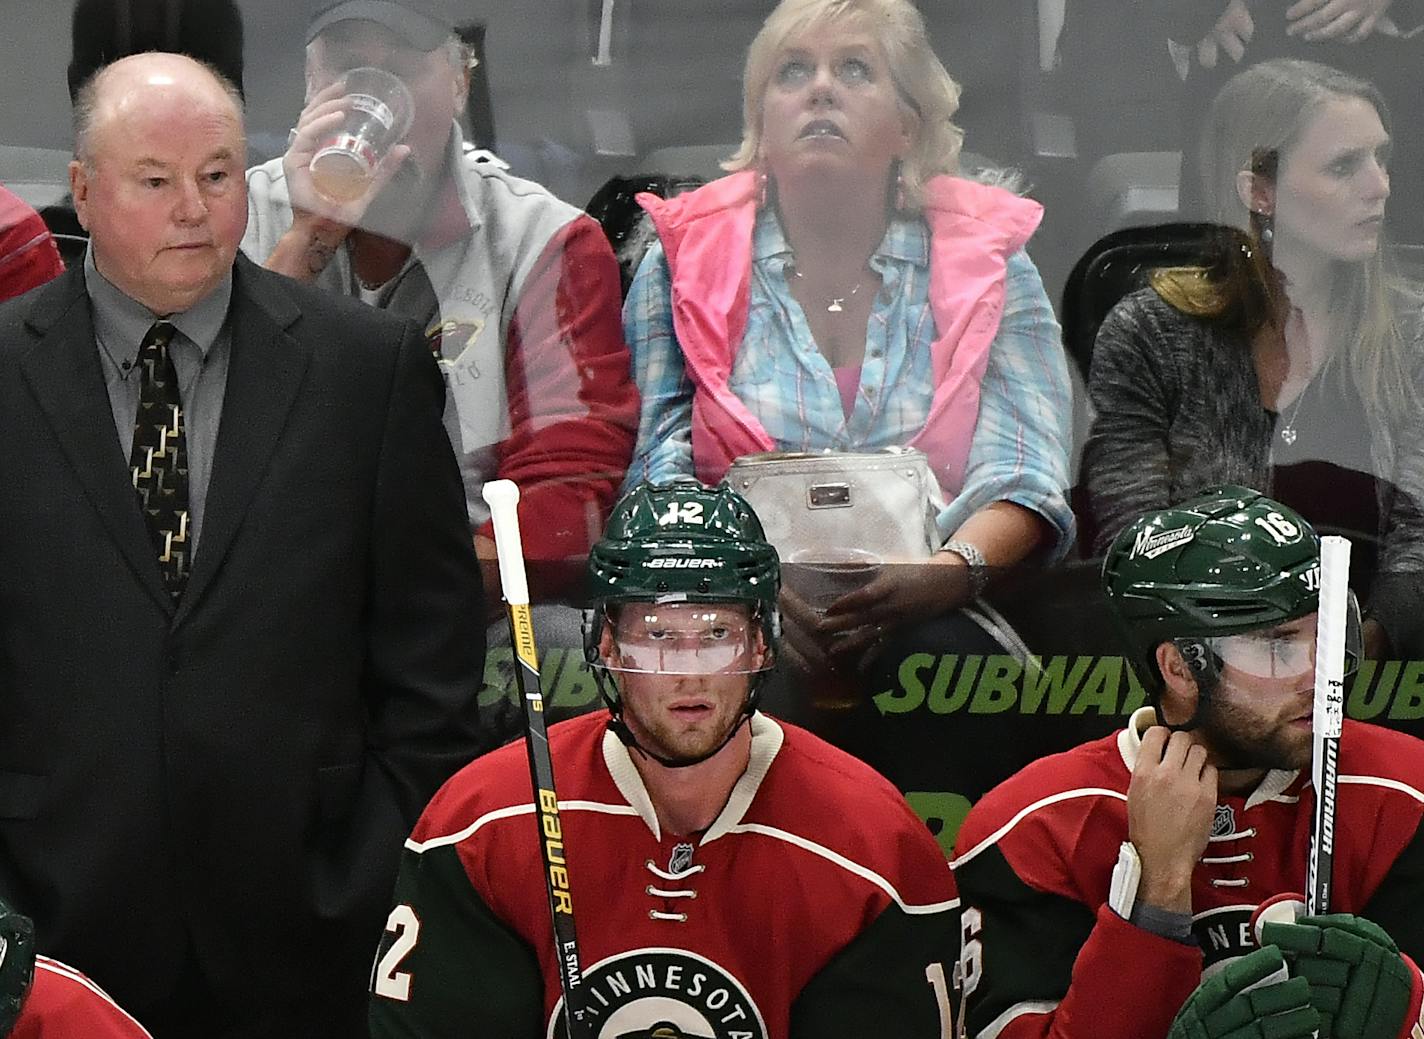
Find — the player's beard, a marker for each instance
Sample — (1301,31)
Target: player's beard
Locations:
(1243,740)
(677,742)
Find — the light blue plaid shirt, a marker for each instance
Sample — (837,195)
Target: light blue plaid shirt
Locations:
(1019,451)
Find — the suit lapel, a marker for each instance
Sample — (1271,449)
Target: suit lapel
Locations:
(264,375)
(63,373)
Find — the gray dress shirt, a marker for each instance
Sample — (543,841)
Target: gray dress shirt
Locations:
(200,353)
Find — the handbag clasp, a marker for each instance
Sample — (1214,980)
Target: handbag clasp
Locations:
(828,496)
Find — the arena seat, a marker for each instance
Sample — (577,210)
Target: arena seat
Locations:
(614,207)
(1119,263)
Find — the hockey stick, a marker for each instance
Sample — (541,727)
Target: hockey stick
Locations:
(1328,717)
(502,496)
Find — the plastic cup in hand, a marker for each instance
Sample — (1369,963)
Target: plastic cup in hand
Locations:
(820,576)
(378,114)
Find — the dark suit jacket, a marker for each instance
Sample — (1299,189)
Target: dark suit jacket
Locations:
(224,788)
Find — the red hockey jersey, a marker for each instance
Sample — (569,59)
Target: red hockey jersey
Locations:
(64,1004)
(1046,957)
(816,903)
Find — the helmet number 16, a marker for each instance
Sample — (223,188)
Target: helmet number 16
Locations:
(1282,530)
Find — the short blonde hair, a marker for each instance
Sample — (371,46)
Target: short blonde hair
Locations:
(921,81)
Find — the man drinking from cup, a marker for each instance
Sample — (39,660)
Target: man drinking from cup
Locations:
(516,291)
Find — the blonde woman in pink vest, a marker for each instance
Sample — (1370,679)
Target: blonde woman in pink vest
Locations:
(843,289)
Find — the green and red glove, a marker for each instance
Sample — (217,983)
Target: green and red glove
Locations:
(1251,998)
(1361,984)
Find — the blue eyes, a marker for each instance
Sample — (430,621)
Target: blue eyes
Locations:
(851,71)
(792,72)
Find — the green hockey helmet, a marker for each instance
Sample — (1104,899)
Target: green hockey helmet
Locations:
(683,542)
(17,964)
(1227,562)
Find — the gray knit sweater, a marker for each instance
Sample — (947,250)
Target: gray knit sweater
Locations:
(1177,408)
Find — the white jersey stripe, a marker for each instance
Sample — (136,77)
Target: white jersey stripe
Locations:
(1388,784)
(507,813)
(994,1027)
(62,970)
(1207,914)
(846,864)
(997,835)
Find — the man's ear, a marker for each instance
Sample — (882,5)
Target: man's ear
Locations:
(462,89)
(607,648)
(762,654)
(1257,192)
(79,188)
(1178,702)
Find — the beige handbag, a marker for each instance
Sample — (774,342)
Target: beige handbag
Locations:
(881,502)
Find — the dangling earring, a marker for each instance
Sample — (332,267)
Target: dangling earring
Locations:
(900,202)
(761,189)
(1263,225)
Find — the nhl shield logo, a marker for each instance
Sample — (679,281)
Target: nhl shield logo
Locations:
(663,994)
(681,858)
(1223,824)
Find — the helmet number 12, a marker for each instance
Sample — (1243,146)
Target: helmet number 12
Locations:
(681,512)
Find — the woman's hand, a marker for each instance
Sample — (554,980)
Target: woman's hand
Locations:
(1347,20)
(858,621)
(1231,33)
(803,644)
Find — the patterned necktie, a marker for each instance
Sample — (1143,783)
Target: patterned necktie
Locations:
(159,459)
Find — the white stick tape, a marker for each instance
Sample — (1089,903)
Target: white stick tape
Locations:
(502,496)
(1329,716)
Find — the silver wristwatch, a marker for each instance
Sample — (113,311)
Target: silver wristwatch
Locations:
(978,565)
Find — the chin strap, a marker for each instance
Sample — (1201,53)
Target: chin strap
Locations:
(619,727)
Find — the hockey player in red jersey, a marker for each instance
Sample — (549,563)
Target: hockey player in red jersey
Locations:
(1101,885)
(732,877)
(41,998)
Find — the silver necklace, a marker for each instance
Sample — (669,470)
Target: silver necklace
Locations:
(834,304)
(1288,430)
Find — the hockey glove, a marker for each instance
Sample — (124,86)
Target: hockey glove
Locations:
(1250,999)
(1358,980)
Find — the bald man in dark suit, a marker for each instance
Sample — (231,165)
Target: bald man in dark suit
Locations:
(240,625)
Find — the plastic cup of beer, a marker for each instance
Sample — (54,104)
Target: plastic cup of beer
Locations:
(378,114)
(820,576)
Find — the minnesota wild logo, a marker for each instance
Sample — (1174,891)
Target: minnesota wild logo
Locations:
(663,994)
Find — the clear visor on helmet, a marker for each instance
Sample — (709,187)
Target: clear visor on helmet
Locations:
(686,639)
(1287,651)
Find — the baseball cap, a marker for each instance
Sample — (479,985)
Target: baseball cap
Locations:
(424,24)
